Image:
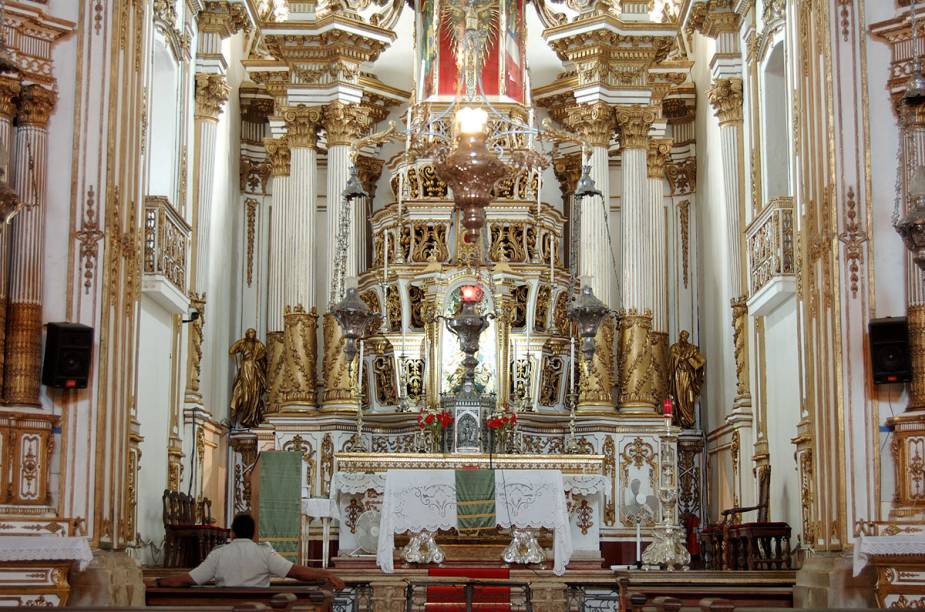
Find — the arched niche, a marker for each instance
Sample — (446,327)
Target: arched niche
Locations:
(775,120)
(165,119)
(486,373)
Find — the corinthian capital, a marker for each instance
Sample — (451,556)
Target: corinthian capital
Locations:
(593,121)
(345,123)
(634,122)
(211,94)
(9,91)
(658,155)
(35,105)
(302,125)
(278,153)
(726,99)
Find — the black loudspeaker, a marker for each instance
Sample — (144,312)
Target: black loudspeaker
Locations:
(68,349)
(889,350)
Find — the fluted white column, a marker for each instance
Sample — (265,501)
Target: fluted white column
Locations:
(279,155)
(9,91)
(594,260)
(638,389)
(913,118)
(659,150)
(726,97)
(24,321)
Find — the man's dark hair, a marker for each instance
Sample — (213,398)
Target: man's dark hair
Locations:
(243,526)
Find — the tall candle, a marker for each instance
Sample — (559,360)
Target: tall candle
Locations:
(360,375)
(385,255)
(572,362)
(638,537)
(552,258)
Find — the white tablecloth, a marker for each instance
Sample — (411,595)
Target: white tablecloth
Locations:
(46,548)
(416,500)
(868,546)
(319,507)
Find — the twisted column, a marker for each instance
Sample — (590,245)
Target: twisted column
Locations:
(658,155)
(9,91)
(726,99)
(637,390)
(22,368)
(279,155)
(211,94)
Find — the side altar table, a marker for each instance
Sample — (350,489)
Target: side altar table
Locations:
(418,493)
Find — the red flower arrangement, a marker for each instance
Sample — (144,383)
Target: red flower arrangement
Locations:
(439,420)
(502,422)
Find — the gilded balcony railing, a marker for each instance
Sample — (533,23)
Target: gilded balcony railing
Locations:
(167,238)
(770,244)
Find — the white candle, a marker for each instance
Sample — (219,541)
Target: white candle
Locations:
(360,374)
(638,538)
(572,362)
(385,255)
(552,258)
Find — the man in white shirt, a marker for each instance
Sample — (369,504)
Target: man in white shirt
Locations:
(244,563)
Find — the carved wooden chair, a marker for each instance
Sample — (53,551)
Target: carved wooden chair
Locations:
(759,545)
(189,535)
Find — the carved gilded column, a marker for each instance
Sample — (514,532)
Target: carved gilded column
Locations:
(296,257)
(431,345)
(636,363)
(279,155)
(596,123)
(505,309)
(658,155)
(726,99)
(24,315)
(9,91)
(211,95)
(339,392)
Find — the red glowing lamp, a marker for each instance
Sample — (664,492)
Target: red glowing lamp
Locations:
(471,293)
(667,407)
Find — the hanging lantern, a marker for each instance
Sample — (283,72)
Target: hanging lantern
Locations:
(587,312)
(353,315)
(586,187)
(354,188)
(471,170)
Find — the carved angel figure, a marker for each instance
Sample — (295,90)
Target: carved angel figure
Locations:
(685,378)
(250,382)
(473,25)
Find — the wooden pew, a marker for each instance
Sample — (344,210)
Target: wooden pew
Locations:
(285,597)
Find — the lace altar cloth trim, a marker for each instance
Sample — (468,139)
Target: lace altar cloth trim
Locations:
(45,548)
(901,545)
(584,484)
(320,507)
(417,500)
(352,483)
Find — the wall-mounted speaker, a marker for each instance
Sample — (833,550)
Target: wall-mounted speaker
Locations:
(889,350)
(68,350)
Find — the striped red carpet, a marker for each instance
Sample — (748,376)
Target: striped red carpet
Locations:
(453,598)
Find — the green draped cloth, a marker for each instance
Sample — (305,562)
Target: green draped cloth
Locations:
(279,510)
(475,501)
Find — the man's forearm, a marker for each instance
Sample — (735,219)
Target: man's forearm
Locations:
(177,580)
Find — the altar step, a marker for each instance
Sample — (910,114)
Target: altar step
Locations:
(452,598)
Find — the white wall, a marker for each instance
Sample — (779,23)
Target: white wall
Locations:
(155,363)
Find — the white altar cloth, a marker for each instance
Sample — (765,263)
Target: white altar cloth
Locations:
(46,548)
(417,500)
(868,546)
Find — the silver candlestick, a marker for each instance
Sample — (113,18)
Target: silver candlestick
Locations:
(668,549)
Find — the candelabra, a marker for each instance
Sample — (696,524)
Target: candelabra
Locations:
(668,549)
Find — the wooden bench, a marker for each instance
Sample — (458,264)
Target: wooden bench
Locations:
(296,596)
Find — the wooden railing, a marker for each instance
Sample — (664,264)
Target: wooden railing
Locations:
(167,238)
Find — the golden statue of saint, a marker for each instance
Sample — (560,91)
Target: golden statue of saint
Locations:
(250,382)
(685,378)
